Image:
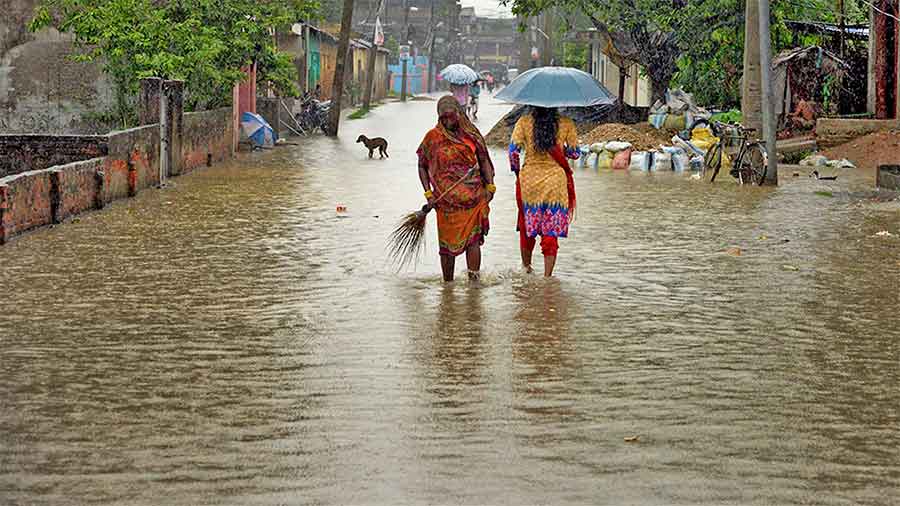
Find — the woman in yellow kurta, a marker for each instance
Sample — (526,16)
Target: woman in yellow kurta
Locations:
(545,191)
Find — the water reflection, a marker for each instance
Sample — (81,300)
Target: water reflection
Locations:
(235,340)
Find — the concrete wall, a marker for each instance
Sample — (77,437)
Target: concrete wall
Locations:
(42,90)
(207,138)
(832,131)
(132,163)
(20,153)
(33,198)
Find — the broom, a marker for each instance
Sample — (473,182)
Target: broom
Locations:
(408,238)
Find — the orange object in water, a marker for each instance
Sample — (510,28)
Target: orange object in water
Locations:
(341,209)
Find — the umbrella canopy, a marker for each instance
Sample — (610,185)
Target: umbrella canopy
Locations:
(459,74)
(556,87)
(257,130)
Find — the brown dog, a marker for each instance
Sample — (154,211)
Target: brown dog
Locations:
(377,143)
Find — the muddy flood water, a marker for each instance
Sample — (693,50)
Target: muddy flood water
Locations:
(235,340)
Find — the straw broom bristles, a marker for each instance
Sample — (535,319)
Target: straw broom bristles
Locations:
(408,239)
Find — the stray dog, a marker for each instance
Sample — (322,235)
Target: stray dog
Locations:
(377,143)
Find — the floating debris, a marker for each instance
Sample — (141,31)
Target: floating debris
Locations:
(735,252)
(632,439)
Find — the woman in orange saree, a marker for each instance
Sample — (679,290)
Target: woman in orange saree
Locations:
(447,155)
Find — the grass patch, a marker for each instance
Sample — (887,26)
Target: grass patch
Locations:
(824,194)
(732,116)
(361,112)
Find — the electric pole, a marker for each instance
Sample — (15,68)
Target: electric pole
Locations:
(370,65)
(431,51)
(765,67)
(751,89)
(405,41)
(337,88)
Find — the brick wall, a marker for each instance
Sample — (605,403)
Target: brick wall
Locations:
(21,153)
(81,188)
(133,161)
(207,138)
(831,132)
(34,198)
(24,202)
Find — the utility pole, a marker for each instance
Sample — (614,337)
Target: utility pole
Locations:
(406,42)
(842,25)
(370,65)
(752,85)
(547,28)
(337,89)
(431,50)
(765,66)
(524,44)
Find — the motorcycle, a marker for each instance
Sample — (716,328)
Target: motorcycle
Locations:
(313,114)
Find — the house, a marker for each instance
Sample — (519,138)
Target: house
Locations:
(359,61)
(488,43)
(616,72)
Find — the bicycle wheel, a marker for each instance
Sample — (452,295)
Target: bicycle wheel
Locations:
(752,165)
(712,162)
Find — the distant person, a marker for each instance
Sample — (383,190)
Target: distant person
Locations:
(490,83)
(474,93)
(318,93)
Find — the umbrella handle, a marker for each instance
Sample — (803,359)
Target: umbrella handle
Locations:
(448,190)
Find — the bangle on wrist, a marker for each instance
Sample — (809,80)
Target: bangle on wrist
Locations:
(491,188)
(428,194)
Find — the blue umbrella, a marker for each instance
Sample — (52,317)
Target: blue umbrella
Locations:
(258,130)
(556,87)
(459,74)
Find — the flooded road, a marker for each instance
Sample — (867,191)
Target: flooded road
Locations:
(234,340)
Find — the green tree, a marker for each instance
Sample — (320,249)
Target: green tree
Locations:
(203,42)
(657,32)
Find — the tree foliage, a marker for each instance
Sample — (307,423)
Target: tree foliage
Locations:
(205,43)
(694,44)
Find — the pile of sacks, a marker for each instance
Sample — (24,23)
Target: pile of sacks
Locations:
(683,155)
(619,155)
(678,112)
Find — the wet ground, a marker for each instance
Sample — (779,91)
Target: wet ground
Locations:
(234,340)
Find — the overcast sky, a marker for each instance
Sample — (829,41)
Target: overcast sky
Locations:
(488,8)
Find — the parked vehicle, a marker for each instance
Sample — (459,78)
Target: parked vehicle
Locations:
(313,114)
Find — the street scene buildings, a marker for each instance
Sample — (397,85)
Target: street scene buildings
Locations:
(449,252)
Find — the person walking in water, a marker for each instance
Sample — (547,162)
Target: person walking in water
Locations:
(453,151)
(545,190)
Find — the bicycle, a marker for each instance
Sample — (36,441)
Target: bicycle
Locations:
(749,165)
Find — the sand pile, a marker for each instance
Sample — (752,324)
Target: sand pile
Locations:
(619,132)
(586,119)
(869,151)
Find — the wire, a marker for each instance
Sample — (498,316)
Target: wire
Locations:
(888,14)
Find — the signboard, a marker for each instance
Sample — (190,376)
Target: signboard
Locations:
(404,52)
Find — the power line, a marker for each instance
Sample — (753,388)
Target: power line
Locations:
(888,14)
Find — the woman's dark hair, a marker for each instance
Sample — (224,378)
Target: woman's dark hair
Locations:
(546,126)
